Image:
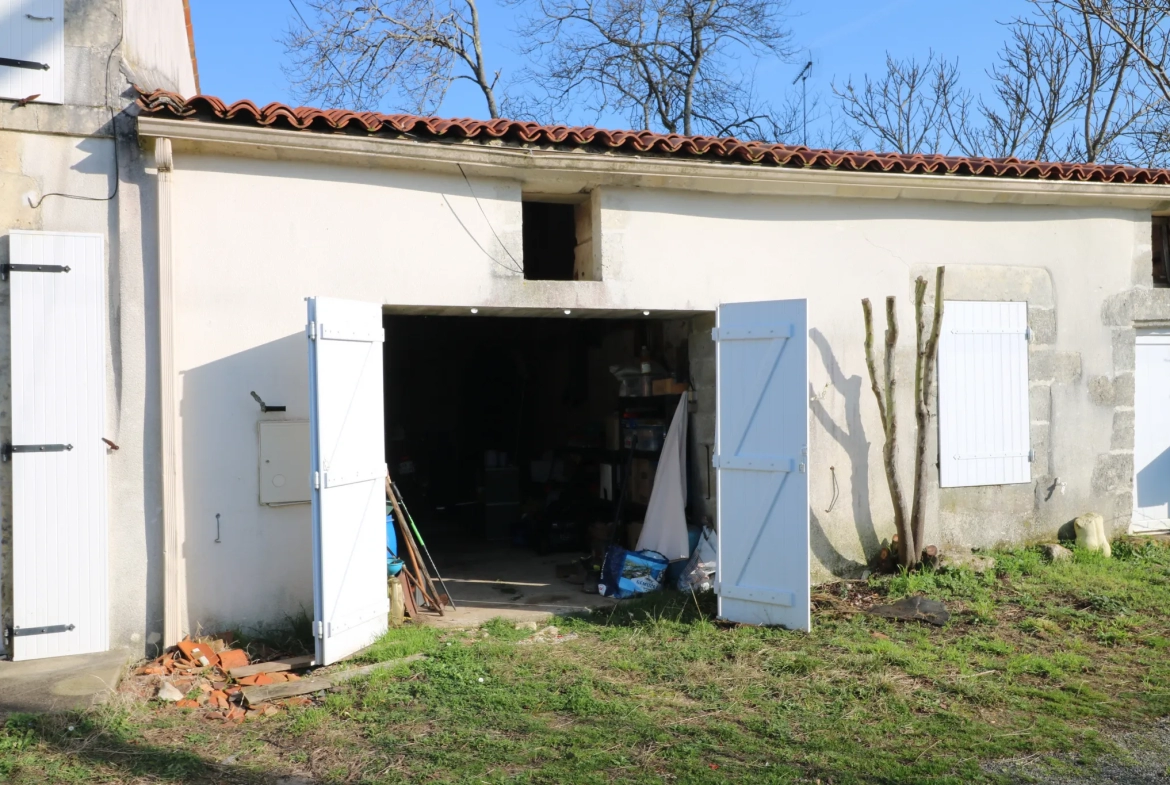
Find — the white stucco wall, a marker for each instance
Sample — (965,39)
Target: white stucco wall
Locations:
(253,238)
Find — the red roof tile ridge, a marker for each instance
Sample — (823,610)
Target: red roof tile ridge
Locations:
(305,118)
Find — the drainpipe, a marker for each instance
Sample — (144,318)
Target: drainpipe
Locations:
(172,525)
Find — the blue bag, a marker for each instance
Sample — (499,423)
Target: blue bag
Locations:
(628,574)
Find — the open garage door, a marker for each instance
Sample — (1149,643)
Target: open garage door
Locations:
(761,456)
(348,462)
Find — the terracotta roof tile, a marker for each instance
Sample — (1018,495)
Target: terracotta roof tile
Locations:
(277,115)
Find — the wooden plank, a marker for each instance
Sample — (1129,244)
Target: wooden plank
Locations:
(290,664)
(408,595)
(268,692)
(286,689)
(365,670)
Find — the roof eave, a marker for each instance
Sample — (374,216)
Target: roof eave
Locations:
(550,170)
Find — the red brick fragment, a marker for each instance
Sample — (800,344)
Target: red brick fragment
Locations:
(232,658)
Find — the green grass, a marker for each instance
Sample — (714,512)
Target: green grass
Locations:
(1038,659)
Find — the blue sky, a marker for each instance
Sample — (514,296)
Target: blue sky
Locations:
(240,55)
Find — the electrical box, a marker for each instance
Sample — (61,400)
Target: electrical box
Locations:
(284,462)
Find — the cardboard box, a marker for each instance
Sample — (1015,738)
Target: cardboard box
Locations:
(613,432)
(669,387)
(642,479)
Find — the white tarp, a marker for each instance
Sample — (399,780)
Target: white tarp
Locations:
(665,527)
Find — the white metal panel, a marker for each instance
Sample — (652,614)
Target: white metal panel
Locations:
(59,518)
(33,30)
(761,456)
(983,420)
(348,461)
(1151,448)
(284,462)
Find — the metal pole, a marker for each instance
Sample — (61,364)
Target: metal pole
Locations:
(804,106)
(802,77)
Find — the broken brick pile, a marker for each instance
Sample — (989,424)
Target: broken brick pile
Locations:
(197,674)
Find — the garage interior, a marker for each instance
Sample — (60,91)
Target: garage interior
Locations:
(511,439)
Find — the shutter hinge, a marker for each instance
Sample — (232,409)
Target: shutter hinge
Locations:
(1032,455)
(18,632)
(311,330)
(320,629)
(32,65)
(1028,334)
(5,269)
(8,450)
(316,481)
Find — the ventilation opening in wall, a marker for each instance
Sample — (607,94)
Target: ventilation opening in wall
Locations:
(558,241)
(1161,246)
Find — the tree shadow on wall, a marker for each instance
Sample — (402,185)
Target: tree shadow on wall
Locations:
(852,439)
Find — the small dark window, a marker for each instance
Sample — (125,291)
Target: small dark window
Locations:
(1161,243)
(550,241)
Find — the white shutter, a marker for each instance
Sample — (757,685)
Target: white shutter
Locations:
(33,31)
(348,461)
(1151,448)
(983,421)
(59,529)
(761,442)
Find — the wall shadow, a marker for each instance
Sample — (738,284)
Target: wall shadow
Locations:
(252,566)
(1153,482)
(851,438)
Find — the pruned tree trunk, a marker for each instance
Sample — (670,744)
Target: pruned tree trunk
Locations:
(911,529)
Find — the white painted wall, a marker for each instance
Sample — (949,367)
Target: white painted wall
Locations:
(254,237)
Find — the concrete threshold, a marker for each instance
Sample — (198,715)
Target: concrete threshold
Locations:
(57,684)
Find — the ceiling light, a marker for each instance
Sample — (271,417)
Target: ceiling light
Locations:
(475,310)
(645,313)
(567,312)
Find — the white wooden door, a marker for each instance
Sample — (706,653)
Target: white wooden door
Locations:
(761,457)
(983,420)
(1151,448)
(348,461)
(32,41)
(59,519)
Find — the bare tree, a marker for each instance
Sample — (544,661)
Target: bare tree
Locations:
(360,51)
(1036,90)
(1141,30)
(911,527)
(670,65)
(1068,85)
(906,109)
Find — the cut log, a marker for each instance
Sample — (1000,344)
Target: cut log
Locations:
(290,664)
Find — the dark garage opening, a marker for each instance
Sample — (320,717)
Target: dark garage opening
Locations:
(511,442)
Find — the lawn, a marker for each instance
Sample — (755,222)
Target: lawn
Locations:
(1043,663)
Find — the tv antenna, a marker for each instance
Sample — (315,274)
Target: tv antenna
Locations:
(802,77)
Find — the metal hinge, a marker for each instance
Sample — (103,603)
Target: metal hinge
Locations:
(1028,334)
(5,269)
(7,451)
(20,632)
(32,65)
(319,629)
(311,330)
(1032,455)
(38,18)
(316,481)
